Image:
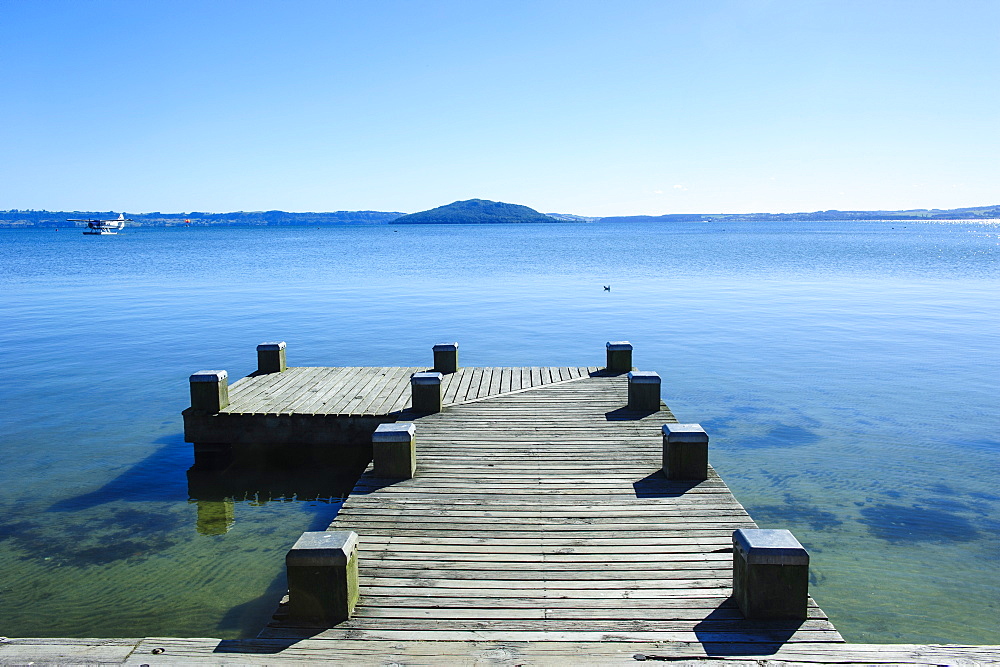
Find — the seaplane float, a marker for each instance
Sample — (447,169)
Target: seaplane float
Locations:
(103,226)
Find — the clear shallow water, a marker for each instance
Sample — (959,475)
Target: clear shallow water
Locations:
(846,372)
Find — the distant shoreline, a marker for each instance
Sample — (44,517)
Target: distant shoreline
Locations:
(18,219)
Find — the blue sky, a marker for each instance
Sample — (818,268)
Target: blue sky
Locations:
(594,108)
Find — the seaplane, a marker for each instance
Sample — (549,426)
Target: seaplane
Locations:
(103,226)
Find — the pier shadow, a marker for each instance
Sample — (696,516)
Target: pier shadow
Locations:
(626,414)
(370,484)
(157,477)
(656,485)
(605,373)
(259,646)
(722,635)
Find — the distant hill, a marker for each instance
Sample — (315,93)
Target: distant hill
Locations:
(475,212)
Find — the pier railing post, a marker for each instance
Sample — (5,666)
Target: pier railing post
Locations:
(644,390)
(323,577)
(446,357)
(394,451)
(619,356)
(271,357)
(685,451)
(770,574)
(209,390)
(426,391)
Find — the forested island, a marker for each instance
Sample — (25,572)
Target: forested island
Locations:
(476,212)
(472,211)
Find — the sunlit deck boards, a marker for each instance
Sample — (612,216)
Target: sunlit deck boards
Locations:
(373,391)
(540,516)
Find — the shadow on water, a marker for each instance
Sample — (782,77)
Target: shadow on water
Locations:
(901,524)
(795,510)
(246,618)
(158,477)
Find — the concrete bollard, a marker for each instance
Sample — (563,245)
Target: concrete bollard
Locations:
(394,452)
(619,356)
(209,390)
(644,390)
(323,577)
(446,357)
(271,357)
(770,574)
(426,391)
(685,451)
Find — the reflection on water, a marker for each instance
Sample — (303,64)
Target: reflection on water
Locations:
(215,517)
(215,493)
(844,372)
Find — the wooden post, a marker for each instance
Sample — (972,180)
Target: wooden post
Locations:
(209,390)
(323,577)
(446,357)
(394,452)
(619,356)
(770,574)
(685,451)
(644,390)
(271,357)
(426,391)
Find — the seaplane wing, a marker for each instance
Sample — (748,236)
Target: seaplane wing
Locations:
(121,218)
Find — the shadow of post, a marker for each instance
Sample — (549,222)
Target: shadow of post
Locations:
(722,635)
(656,485)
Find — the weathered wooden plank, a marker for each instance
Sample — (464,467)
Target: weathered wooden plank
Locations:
(65,651)
(326,401)
(496,378)
(369,651)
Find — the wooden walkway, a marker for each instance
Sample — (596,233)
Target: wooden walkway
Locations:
(537,531)
(374,391)
(541,516)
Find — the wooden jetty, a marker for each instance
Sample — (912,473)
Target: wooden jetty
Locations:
(547,518)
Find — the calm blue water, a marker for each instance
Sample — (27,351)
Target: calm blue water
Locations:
(846,372)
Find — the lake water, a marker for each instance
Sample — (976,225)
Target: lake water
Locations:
(847,374)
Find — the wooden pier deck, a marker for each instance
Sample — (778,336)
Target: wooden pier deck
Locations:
(369,391)
(537,530)
(542,516)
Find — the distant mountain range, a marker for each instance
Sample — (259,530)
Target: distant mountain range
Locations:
(472,211)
